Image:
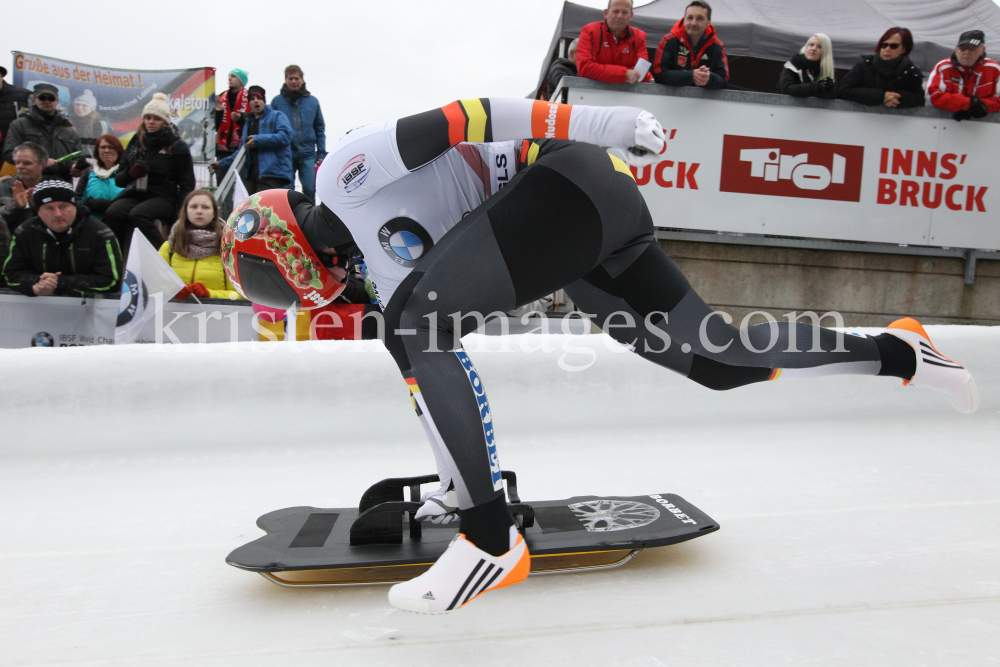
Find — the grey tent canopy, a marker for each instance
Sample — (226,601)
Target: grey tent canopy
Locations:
(775,30)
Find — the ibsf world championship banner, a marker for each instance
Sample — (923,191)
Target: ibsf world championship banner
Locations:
(101,100)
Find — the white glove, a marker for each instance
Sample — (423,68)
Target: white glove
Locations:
(650,142)
(649,134)
(439,506)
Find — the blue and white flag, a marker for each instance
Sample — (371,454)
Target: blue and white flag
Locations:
(146,274)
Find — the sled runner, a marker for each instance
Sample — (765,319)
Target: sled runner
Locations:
(380,542)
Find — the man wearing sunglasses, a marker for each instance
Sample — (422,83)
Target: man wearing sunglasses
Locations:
(888,77)
(966,83)
(44,125)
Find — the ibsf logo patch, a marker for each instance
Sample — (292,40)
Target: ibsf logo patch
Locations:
(485,415)
(405,241)
(782,168)
(354,174)
(317,299)
(247,224)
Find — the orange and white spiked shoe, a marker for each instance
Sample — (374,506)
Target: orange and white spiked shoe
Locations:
(461,574)
(934,370)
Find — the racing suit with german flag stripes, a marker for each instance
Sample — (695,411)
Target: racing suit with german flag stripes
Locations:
(483,205)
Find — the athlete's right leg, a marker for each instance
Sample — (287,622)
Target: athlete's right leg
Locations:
(650,307)
(653,310)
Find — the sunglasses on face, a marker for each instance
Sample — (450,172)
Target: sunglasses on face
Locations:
(46,98)
(891,45)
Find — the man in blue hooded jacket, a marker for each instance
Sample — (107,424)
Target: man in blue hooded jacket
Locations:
(267,136)
(308,129)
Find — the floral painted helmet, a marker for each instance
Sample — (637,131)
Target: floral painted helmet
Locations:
(268,258)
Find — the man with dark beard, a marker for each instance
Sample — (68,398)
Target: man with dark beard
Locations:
(308,129)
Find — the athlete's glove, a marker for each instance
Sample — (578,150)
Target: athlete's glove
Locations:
(650,142)
(439,506)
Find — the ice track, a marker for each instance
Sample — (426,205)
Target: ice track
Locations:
(860,520)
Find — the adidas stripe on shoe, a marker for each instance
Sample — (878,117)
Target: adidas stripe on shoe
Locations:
(460,575)
(934,370)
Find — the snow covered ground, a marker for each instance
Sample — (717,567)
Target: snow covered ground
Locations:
(860,519)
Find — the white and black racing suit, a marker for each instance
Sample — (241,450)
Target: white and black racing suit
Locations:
(483,205)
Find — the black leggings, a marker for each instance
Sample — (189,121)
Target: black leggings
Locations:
(575,220)
(127,214)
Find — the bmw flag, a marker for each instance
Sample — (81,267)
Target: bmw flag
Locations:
(239,191)
(146,274)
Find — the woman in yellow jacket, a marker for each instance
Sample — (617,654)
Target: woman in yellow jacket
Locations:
(192,249)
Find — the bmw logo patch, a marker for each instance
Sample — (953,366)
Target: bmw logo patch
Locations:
(246,224)
(404,241)
(128,302)
(42,339)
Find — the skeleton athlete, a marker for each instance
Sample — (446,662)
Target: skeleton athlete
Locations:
(484,205)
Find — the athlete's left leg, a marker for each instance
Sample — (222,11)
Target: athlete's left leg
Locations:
(544,230)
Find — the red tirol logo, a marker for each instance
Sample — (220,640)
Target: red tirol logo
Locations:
(782,168)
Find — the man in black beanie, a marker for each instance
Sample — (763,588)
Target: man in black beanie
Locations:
(267,136)
(62,251)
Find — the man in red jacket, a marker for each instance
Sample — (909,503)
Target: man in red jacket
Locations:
(966,83)
(609,50)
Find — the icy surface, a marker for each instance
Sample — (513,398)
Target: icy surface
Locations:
(860,519)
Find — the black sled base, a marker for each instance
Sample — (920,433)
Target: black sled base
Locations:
(380,542)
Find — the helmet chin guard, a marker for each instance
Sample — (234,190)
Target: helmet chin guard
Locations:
(268,259)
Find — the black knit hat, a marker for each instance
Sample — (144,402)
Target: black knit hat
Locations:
(256,90)
(54,190)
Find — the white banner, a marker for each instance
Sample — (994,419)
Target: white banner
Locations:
(62,321)
(819,173)
(146,275)
(56,321)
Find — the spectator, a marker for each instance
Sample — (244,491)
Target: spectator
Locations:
(268,137)
(563,67)
(157,174)
(88,123)
(16,205)
(810,72)
(691,54)
(44,125)
(308,129)
(888,77)
(192,249)
(96,188)
(966,83)
(608,50)
(62,251)
(13,100)
(229,111)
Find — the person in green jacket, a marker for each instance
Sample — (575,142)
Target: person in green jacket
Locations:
(192,249)
(62,251)
(96,187)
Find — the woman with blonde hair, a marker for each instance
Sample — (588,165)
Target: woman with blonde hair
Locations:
(810,72)
(192,249)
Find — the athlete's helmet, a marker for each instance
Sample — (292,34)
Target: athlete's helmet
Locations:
(268,257)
